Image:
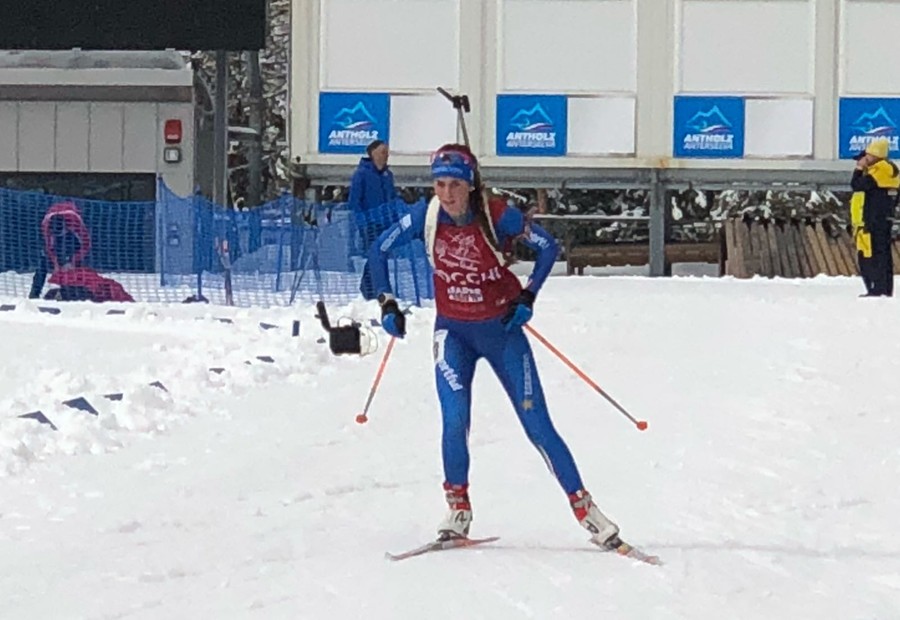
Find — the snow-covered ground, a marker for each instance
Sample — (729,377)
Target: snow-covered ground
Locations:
(767,480)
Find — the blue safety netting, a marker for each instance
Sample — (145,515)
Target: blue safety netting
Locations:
(182,248)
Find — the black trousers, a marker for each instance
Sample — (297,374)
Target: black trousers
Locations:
(368,235)
(877,271)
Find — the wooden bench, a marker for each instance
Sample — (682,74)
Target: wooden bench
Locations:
(624,254)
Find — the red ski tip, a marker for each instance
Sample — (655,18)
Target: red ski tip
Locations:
(361,419)
(642,425)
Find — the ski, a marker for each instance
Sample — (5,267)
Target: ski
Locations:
(440,545)
(630,551)
(624,549)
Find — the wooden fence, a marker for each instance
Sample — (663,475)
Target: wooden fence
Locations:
(796,248)
(801,248)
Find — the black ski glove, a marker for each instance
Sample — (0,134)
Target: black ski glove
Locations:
(392,319)
(520,310)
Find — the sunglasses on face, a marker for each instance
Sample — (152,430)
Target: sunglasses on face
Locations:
(452,158)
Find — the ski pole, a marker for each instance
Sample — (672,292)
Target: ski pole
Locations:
(640,424)
(363,417)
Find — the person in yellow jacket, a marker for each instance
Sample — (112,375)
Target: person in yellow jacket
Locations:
(875,185)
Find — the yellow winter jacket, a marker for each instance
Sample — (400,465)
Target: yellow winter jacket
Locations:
(882,183)
(862,238)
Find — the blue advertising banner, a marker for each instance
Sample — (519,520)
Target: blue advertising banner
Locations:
(863,119)
(532,125)
(711,127)
(348,122)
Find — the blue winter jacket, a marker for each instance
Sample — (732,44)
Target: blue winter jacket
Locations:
(370,187)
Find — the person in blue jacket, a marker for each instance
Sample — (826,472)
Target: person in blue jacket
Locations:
(371,187)
(481,307)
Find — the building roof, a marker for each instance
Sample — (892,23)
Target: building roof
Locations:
(77,59)
(93,68)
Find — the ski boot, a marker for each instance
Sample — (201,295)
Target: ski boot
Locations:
(604,533)
(459,516)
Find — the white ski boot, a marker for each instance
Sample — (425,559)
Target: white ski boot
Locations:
(459,516)
(604,533)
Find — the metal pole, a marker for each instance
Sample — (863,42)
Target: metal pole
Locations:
(254,148)
(658,264)
(220,131)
